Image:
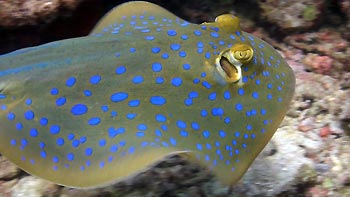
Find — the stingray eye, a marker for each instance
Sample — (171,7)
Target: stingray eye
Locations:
(229,61)
(242,53)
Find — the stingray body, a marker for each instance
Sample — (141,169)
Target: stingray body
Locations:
(145,84)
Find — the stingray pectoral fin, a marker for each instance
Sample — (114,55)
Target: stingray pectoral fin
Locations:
(123,14)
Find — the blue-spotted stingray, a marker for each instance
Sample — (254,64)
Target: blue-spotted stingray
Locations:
(143,85)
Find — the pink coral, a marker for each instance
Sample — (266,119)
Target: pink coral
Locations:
(318,64)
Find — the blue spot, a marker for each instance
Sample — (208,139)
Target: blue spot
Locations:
(33,132)
(29,115)
(149,37)
(237,134)
(55,159)
(200,50)
(200,44)
(54,91)
(61,101)
(79,109)
(160,118)
(175,46)
(131,150)
(88,151)
(132,50)
(184,37)
(87,93)
(3,107)
(265,122)
(131,116)
(114,148)
(60,141)
(155,50)
(214,34)
(203,74)
(245,136)
(204,113)
(122,143)
(222,133)
(206,134)
(94,121)
(157,100)
(193,94)
(159,80)
(186,66)
(241,91)
(196,80)
(182,54)
(2,96)
(172,141)
(11,116)
(119,96)
(120,70)
(206,84)
(239,107)
(165,56)
(212,96)
(195,125)
(176,81)
(172,32)
(114,132)
(158,133)
(257,82)
(249,127)
(269,96)
(102,142)
(245,79)
(28,101)
(142,127)
(255,95)
(134,103)
(70,136)
(75,143)
(181,124)
(207,55)
(227,95)
(13,142)
(156,67)
(95,79)
(137,79)
(199,147)
(140,134)
(197,32)
(208,146)
(188,102)
(70,156)
(184,133)
(217,111)
(164,127)
(104,108)
(19,126)
(83,139)
(24,142)
(70,81)
(55,129)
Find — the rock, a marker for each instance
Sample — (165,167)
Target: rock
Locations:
(15,13)
(292,15)
(33,187)
(7,169)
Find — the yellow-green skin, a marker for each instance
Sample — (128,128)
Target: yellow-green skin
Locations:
(104,125)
